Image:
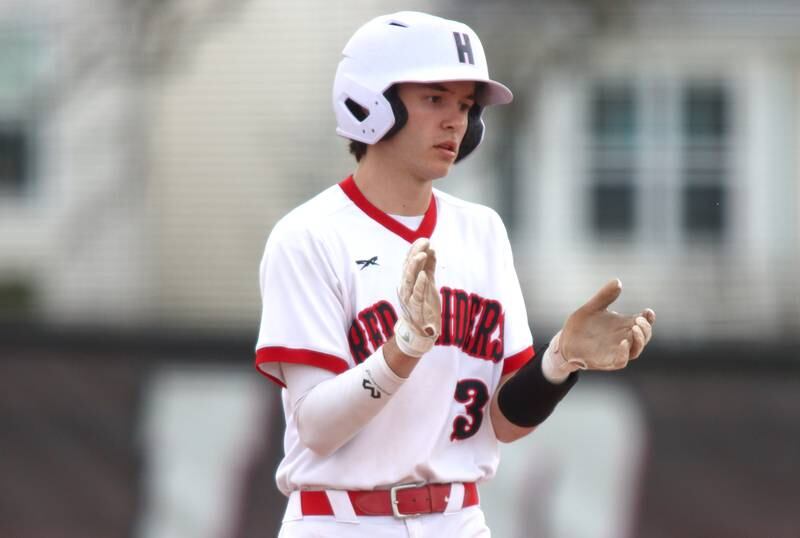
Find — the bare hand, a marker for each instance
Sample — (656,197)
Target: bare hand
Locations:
(600,339)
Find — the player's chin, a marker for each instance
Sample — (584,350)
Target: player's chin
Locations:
(440,167)
(438,172)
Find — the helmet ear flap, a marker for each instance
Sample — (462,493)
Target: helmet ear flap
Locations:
(398,109)
(473,134)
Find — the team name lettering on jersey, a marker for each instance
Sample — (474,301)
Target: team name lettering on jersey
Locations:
(371,328)
(470,322)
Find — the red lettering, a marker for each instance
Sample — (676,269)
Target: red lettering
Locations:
(371,329)
(358,342)
(387,316)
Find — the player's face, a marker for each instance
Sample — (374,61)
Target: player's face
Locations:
(428,144)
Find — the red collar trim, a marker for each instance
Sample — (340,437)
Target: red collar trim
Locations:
(425,229)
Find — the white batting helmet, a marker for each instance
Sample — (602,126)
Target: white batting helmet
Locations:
(407,47)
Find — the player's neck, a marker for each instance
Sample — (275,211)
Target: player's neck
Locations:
(393,190)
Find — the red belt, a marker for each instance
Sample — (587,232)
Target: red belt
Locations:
(400,501)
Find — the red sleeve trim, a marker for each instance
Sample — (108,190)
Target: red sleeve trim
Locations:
(515,362)
(425,229)
(332,363)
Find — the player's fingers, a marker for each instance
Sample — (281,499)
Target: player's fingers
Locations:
(430,263)
(421,287)
(433,289)
(413,308)
(604,297)
(420,245)
(646,328)
(650,315)
(623,351)
(414,266)
(412,251)
(433,300)
(638,342)
(410,272)
(419,261)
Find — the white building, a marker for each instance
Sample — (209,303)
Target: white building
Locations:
(659,148)
(666,154)
(72,218)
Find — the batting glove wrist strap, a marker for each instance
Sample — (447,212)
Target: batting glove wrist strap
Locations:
(410,341)
(528,398)
(555,367)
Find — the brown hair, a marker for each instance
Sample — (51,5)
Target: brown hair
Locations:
(357,149)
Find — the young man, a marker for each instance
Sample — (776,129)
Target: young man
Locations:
(403,365)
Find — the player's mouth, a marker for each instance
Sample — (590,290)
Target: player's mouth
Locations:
(447,148)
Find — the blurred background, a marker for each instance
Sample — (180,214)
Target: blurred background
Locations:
(147,147)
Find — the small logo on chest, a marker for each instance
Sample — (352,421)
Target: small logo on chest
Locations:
(366,263)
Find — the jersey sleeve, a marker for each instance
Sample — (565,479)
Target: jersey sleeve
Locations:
(302,316)
(517,337)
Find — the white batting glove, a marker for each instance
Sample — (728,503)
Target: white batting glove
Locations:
(596,338)
(420,320)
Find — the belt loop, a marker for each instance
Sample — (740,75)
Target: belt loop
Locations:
(294,510)
(342,508)
(455,499)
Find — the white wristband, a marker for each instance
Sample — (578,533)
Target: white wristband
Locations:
(410,341)
(555,368)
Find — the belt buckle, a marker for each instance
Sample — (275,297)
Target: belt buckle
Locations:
(393,497)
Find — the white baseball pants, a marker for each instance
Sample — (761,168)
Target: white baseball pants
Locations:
(465,523)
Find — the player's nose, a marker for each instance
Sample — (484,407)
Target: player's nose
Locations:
(455,118)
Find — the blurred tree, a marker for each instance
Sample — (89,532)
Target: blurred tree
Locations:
(163,28)
(140,37)
(101,66)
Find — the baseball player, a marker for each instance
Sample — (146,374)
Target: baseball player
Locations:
(392,314)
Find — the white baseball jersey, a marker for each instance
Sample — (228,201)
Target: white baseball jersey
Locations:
(329,280)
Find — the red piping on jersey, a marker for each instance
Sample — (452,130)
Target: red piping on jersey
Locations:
(518,360)
(425,227)
(335,364)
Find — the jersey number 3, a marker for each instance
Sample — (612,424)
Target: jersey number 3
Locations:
(474,395)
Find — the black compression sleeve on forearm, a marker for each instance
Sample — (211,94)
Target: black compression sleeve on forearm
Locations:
(528,398)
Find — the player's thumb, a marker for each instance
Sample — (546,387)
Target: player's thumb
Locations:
(604,296)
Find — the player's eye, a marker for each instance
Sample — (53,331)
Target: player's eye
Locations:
(465,106)
(434,98)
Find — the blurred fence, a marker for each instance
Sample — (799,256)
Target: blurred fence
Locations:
(148,435)
(147,148)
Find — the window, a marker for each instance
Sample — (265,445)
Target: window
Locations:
(17,66)
(706,134)
(659,159)
(13,158)
(614,134)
